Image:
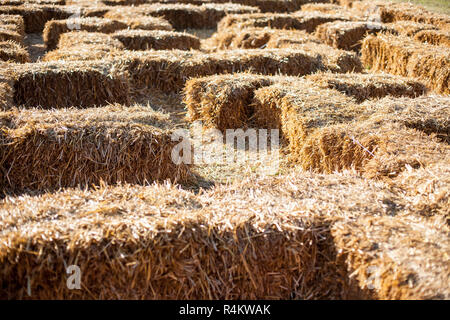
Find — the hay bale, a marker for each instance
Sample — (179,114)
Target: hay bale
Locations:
(21,2)
(409,28)
(248,256)
(369,86)
(13,52)
(434,37)
(80,38)
(332,59)
(83,52)
(307,21)
(410,12)
(347,35)
(182,16)
(169,70)
(402,56)
(323,7)
(7,34)
(86,147)
(156,40)
(257,38)
(147,23)
(14,20)
(53,29)
(63,84)
(396,257)
(223,101)
(6,90)
(36,16)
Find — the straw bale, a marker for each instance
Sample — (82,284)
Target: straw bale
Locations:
(147,23)
(20,2)
(6,34)
(408,11)
(63,84)
(15,20)
(397,257)
(129,240)
(6,90)
(369,86)
(48,150)
(156,40)
(409,28)
(53,29)
(347,35)
(323,7)
(183,16)
(402,56)
(246,256)
(13,52)
(434,37)
(36,16)
(332,59)
(169,70)
(256,38)
(79,38)
(223,101)
(83,52)
(307,21)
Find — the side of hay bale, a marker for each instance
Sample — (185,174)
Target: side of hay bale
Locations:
(223,101)
(369,86)
(36,16)
(257,38)
(169,70)
(63,84)
(434,37)
(347,35)
(83,52)
(14,20)
(402,56)
(392,256)
(147,23)
(307,21)
(53,29)
(156,40)
(86,147)
(14,52)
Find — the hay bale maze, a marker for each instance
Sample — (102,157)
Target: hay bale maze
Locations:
(115,120)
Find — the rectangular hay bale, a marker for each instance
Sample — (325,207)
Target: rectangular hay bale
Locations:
(52,149)
(66,84)
(434,37)
(405,57)
(13,52)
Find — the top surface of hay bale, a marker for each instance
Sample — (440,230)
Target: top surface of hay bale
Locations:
(369,86)
(434,37)
(409,28)
(156,40)
(76,38)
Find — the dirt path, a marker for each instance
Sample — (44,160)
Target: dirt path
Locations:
(34,43)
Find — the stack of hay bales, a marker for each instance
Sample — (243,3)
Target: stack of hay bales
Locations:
(156,40)
(347,35)
(53,29)
(63,84)
(12,32)
(300,232)
(183,16)
(405,57)
(48,150)
(307,21)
